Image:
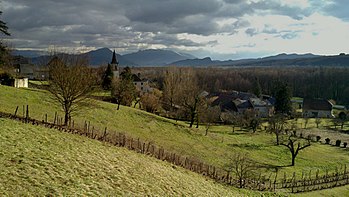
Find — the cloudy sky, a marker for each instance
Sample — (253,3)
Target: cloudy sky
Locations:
(222,29)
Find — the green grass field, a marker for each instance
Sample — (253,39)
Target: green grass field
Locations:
(45,162)
(216,148)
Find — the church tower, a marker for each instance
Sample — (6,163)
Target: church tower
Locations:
(114,64)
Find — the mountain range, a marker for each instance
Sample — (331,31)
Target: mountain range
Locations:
(159,57)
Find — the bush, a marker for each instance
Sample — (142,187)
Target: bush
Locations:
(327,140)
(338,143)
(318,138)
(345,144)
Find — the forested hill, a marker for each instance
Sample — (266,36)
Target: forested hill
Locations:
(278,60)
(337,60)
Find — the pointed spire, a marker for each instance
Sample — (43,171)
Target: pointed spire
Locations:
(114,61)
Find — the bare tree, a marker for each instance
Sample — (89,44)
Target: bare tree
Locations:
(242,167)
(254,124)
(71,81)
(123,89)
(318,122)
(190,95)
(172,86)
(230,118)
(209,115)
(306,121)
(295,145)
(277,124)
(150,102)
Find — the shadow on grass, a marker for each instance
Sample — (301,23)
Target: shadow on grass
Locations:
(248,146)
(273,168)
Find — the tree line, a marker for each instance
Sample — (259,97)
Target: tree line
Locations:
(306,82)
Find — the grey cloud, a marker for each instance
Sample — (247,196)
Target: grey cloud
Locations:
(289,36)
(129,24)
(339,8)
(284,34)
(251,31)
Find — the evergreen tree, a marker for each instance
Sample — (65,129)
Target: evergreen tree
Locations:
(108,78)
(282,94)
(3,48)
(3,27)
(257,90)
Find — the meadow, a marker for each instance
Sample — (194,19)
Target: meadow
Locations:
(45,162)
(216,149)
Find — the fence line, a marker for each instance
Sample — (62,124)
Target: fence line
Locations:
(303,184)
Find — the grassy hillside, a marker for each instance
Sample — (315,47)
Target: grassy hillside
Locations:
(216,148)
(40,161)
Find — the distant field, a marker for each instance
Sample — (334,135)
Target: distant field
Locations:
(216,148)
(36,161)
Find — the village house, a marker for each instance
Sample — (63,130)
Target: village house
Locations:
(21,82)
(317,108)
(142,85)
(263,108)
(23,68)
(240,102)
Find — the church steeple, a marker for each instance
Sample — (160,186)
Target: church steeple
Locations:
(114,65)
(113,60)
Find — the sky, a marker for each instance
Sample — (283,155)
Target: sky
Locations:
(220,29)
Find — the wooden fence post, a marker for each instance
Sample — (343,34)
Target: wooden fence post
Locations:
(27,114)
(16,111)
(54,120)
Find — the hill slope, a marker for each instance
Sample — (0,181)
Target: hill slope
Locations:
(215,148)
(40,161)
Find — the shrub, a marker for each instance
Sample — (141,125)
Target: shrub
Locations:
(345,144)
(327,140)
(318,138)
(338,143)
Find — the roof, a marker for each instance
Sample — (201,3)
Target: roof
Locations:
(257,102)
(233,100)
(242,104)
(317,104)
(113,60)
(26,68)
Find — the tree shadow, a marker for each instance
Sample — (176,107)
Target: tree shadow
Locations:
(271,167)
(247,146)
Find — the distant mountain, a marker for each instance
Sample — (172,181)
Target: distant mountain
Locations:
(207,61)
(335,60)
(103,57)
(155,57)
(28,53)
(158,57)
(284,56)
(277,60)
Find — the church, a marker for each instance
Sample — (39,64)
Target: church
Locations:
(142,85)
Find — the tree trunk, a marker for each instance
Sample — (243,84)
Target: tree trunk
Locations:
(277,139)
(66,118)
(191,121)
(118,106)
(293,159)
